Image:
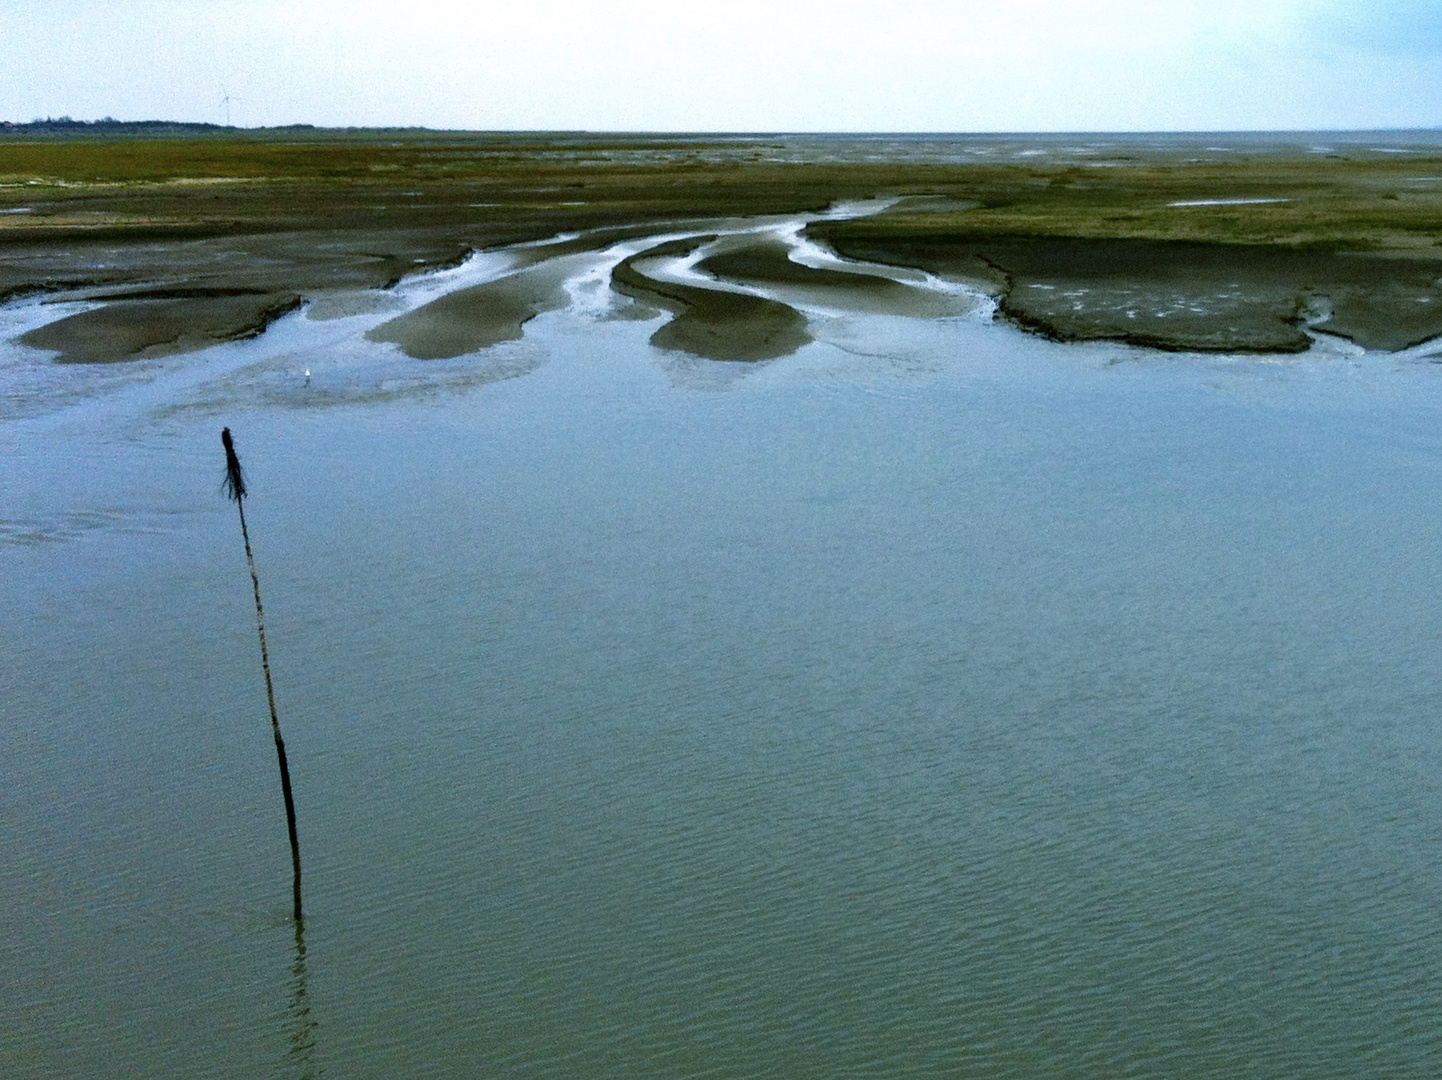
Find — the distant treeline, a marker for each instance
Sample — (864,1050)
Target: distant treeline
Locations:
(62,128)
(64,125)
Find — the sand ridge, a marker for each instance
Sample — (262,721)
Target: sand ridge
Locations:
(712,323)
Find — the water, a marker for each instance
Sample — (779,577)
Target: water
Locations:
(937,701)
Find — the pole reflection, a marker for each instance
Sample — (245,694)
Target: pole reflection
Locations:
(300,1055)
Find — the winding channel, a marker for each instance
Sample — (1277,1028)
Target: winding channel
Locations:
(734,291)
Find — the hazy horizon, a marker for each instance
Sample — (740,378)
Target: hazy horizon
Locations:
(1116,66)
(1176,133)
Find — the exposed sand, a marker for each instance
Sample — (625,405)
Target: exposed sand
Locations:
(710,323)
(468,320)
(138,328)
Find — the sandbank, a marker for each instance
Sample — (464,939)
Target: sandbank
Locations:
(468,320)
(135,329)
(710,323)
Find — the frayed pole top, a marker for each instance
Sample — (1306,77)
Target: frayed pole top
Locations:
(234,481)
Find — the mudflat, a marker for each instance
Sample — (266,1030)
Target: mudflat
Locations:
(471,319)
(1192,249)
(711,323)
(1181,295)
(1225,243)
(770,265)
(140,326)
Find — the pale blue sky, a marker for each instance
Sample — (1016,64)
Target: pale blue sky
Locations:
(843,65)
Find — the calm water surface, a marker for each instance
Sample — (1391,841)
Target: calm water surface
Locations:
(935,702)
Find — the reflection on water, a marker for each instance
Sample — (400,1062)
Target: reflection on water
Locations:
(300,1055)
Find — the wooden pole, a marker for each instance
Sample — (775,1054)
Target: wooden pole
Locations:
(235,489)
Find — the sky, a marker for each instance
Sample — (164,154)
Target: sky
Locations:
(738,65)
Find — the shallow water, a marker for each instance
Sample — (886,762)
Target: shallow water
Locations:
(934,701)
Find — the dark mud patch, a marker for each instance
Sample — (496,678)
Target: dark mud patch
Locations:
(25,288)
(301,262)
(1182,296)
(1387,304)
(711,323)
(770,263)
(165,293)
(138,329)
(589,241)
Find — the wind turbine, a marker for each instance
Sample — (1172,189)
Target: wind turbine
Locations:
(225,100)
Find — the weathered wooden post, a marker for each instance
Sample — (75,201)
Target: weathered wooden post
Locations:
(235,489)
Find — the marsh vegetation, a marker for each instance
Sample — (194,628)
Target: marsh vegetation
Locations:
(1174,242)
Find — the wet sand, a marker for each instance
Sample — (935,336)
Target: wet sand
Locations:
(769,264)
(135,329)
(468,320)
(710,323)
(345,305)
